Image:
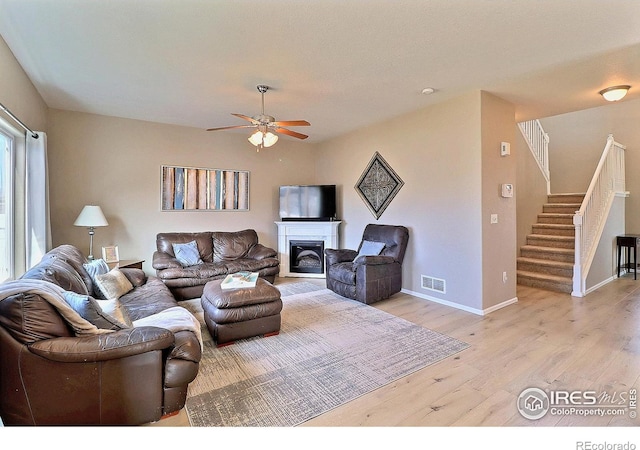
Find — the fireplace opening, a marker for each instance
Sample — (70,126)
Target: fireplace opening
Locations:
(306,256)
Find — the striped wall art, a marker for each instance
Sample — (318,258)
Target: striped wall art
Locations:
(190,188)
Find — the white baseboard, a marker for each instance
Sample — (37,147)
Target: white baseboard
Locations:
(602,283)
(479,312)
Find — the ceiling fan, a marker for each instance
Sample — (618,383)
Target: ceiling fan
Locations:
(267,126)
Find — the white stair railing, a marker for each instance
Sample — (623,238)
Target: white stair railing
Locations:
(538,142)
(607,181)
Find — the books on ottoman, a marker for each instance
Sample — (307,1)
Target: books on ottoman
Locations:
(239,280)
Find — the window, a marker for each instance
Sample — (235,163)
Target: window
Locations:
(7,236)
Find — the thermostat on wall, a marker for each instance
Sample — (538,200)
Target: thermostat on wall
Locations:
(507,190)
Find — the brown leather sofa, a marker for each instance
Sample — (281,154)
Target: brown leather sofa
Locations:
(52,375)
(220,252)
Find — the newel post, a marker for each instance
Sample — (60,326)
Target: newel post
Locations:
(578,285)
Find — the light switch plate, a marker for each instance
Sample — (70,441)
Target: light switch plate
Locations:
(505,149)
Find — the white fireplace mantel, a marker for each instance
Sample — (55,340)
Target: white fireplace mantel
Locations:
(304,231)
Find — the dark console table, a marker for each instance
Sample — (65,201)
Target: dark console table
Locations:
(630,242)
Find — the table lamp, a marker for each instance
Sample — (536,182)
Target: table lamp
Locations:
(91,216)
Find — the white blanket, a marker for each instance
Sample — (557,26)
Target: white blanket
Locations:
(173,319)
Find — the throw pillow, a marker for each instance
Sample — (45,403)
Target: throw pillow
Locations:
(94,268)
(90,310)
(370,248)
(113,284)
(187,254)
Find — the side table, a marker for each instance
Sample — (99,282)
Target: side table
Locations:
(629,241)
(127,263)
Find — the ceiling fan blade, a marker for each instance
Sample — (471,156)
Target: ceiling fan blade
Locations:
(242,116)
(230,128)
(291,133)
(291,123)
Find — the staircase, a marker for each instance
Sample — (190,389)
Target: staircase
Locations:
(546,261)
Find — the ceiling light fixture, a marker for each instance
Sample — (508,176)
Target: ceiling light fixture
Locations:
(615,93)
(263,138)
(427,91)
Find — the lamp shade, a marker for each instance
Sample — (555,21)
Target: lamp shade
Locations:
(91,216)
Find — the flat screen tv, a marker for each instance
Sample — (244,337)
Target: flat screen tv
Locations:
(308,202)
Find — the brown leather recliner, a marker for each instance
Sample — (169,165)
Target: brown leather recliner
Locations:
(374,276)
(221,253)
(50,375)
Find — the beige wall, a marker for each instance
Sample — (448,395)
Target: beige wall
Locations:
(498,240)
(531,191)
(438,152)
(116,163)
(18,94)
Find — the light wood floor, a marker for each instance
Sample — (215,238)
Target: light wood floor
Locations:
(546,340)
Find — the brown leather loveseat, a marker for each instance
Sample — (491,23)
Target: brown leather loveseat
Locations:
(57,367)
(218,254)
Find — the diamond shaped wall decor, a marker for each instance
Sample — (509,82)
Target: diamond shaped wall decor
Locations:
(378,185)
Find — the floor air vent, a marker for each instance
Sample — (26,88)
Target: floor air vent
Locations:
(434,284)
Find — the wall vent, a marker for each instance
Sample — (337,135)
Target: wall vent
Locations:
(434,284)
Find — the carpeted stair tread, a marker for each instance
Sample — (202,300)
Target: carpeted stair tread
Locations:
(547,282)
(566,251)
(564,208)
(551,240)
(544,276)
(546,262)
(557,226)
(564,205)
(571,197)
(555,217)
(557,229)
(545,266)
(552,237)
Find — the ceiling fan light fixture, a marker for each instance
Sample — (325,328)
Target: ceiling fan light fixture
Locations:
(615,93)
(266,126)
(256,138)
(269,139)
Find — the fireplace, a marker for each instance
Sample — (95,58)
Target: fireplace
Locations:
(301,247)
(306,256)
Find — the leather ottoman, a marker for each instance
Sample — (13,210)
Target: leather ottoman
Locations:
(232,314)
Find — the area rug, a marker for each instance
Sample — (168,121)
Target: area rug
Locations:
(330,350)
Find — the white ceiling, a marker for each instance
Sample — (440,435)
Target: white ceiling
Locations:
(340,64)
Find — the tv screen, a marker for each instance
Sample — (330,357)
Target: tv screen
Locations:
(308,202)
